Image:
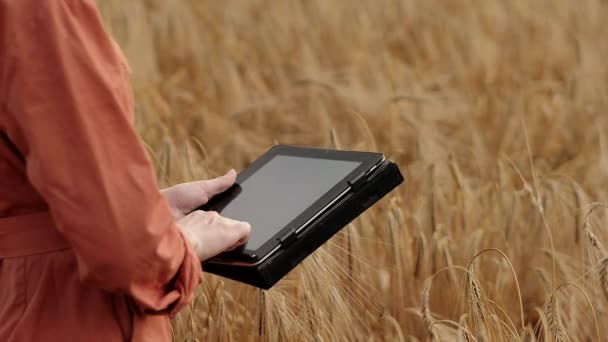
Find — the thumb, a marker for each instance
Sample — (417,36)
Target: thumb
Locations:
(241,235)
(186,197)
(217,185)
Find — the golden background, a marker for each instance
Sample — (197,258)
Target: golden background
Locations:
(494,110)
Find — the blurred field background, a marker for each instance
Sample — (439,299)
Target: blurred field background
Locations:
(496,111)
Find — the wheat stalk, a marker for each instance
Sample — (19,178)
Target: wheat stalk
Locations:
(555,324)
(429,321)
(604,276)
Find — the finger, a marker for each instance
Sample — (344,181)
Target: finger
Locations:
(242,232)
(237,229)
(188,196)
(241,236)
(217,185)
(233,247)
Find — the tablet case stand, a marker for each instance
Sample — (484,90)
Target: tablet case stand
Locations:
(296,248)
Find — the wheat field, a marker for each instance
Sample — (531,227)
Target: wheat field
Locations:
(495,111)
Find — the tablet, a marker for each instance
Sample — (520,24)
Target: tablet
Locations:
(286,193)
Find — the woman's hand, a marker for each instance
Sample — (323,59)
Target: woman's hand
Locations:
(209,233)
(184,198)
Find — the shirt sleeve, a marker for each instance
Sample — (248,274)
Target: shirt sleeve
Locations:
(69,112)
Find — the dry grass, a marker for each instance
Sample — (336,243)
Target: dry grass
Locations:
(496,111)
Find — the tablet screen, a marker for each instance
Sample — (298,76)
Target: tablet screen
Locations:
(280,191)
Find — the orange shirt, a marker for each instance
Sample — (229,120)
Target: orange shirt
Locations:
(89,250)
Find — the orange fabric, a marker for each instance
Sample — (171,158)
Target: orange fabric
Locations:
(89,250)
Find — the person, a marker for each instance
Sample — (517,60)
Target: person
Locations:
(90,249)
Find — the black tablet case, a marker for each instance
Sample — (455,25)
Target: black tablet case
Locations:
(364,193)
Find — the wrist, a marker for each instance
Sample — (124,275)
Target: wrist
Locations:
(191,239)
